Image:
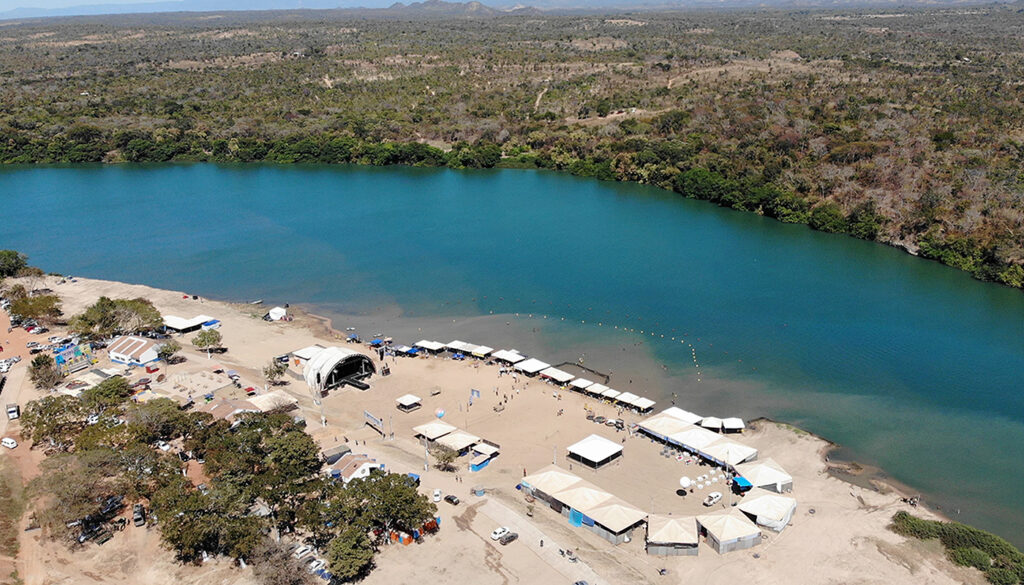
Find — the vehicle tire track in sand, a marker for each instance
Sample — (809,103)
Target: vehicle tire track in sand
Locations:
(464,520)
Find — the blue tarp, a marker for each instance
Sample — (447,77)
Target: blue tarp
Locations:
(575,517)
(587,520)
(353,336)
(413,351)
(376,342)
(742,483)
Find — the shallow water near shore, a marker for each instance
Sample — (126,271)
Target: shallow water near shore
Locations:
(907,364)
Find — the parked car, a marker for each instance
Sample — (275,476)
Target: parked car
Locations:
(437,495)
(317,565)
(9,443)
(510,537)
(713,498)
(139,514)
(163,446)
(303,552)
(451,499)
(499,532)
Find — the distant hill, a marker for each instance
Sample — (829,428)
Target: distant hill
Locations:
(444,8)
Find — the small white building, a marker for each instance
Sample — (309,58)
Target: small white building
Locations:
(595,451)
(133,351)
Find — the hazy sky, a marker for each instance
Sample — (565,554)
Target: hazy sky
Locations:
(12,4)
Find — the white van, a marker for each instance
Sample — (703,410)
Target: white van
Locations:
(8,442)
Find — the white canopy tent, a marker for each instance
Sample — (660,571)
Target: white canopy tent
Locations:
(429,345)
(627,398)
(550,480)
(433,430)
(481,351)
(556,375)
(766,474)
(611,394)
(460,346)
(583,497)
(485,448)
(508,355)
(408,402)
(597,389)
(733,424)
(730,531)
(711,422)
(768,509)
(662,426)
(616,515)
(581,383)
(729,452)
(684,415)
(531,366)
(694,438)
(277,313)
(595,451)
(672,530)
(181,324)
(458,440)
(643,404)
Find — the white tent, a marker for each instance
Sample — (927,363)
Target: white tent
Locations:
(627,398)
(611,394)
(766,474)
(616,515)
(684,415)
(557,375)
(408,402)
(733,424)
(277,313)
(508,355)
(274,400)
(597,389)
(531,366)
(662,426)
(180,324)
(458,440)
(461,346)
(711,422)
(481,351)
(729,452)
(729,531)
(768,509)
(643,404)
(672,530)
(434,429)
(595,450)
(581,383)
(583,497)
(429,345)
(694,438)
(550,480)
(485,449)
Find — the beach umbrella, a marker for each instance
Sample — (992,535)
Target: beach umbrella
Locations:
(439,413)
(685,482)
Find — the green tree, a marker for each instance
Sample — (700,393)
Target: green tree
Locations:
(389,501)
(44,308)
(43,372)
(827,217)
(111,392)
(12,262)
(274,371)
(209,339)
(109,317)
(444,457)
(72,486)
(55,420)
(350,554)
(273,565)
(157,419)
(168,350)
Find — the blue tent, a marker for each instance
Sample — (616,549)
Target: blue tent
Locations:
(413,351)
(353,336)
(742,484)
(376,341)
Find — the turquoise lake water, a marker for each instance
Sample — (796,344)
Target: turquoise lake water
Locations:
(907,364)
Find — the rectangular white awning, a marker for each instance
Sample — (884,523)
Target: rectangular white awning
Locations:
(595,448)
(581,383)
(643,403)
(433,429)
(627,398)
(531,366)
(611,394)
(509,356)
(407,400)
(458,440)
(429,345)
(180,323)
(557,375)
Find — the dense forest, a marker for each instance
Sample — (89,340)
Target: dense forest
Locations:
(901,127)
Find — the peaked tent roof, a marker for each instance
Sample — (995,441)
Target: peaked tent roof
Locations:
(764,472)
(733,423)
(584,497)
(581,383)
(557,375)
(663,425)
(531,366)
(628,398)
(597,389)
(683,415)
(711,422)
(672,529)
(617,515)
(729,452)
(458,439)
(729,525)
(551,480)
(643,403)
(695,437)
(434,429)
(429,345)
(765,504)
(508,355)
(407,399)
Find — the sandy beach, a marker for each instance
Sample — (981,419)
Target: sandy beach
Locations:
(838,534)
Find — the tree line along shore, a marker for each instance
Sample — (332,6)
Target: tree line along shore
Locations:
(902,128)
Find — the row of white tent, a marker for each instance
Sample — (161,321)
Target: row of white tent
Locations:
(536,367)
(683,432)
(455,438)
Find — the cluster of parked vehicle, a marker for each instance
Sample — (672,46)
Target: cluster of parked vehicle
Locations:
(99,527)
(503,535)
(618,424)
(311,561)
(7,364)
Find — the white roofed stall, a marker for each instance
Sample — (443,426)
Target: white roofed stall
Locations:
(643,404)
(683,415)
(729,452)
(531,366)
(730,531)
(617,515)
(184,325)
(733,424)
(581,383)
(458,440)
(694,438)
(460,346)
(408,402)
(429,345)
(672,535)
(595,451)
(711,422)
(482,351)
(627,398)
(611,394)
(508,355)
(556,375)
(485,448)
(597,389)
(433,430)
(768,509)
(550,480)
(662,426)
(766,474)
